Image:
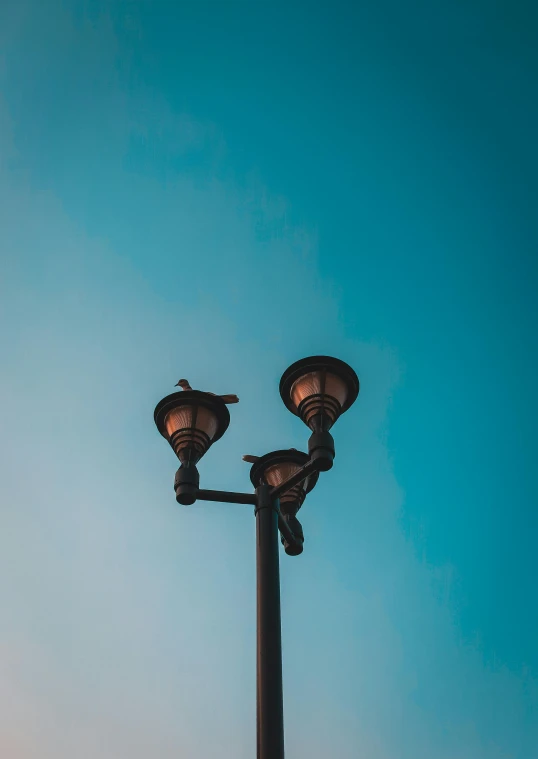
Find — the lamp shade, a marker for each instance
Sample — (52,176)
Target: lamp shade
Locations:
(319,389)
(191,421)
(275,467)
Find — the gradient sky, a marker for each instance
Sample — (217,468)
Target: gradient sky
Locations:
(214,190)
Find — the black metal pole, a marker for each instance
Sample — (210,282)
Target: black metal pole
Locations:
(270,712)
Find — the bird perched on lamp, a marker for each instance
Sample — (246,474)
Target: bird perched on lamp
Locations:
(253,459)
(230,398)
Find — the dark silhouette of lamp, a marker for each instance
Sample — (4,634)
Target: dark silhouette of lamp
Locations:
(273,469)
(318,390)
(191,421)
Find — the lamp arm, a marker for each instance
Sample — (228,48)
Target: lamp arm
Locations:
(299,476)
(225,496)
(187,476)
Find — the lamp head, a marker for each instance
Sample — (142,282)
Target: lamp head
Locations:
(191,421)
(319,389)
(277,466)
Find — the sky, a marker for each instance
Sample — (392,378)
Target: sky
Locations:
(213,190)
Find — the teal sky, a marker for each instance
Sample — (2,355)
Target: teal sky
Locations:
(214,190)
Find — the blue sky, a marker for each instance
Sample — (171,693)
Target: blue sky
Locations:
(214,190)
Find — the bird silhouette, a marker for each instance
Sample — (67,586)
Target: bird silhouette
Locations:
(254,459)
(230,398)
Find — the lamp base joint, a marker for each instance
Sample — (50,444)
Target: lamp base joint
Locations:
(186,484)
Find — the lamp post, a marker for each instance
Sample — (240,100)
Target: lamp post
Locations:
(317,390)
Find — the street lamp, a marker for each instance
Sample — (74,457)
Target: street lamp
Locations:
(191,421)
(275,468)
(318,390)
